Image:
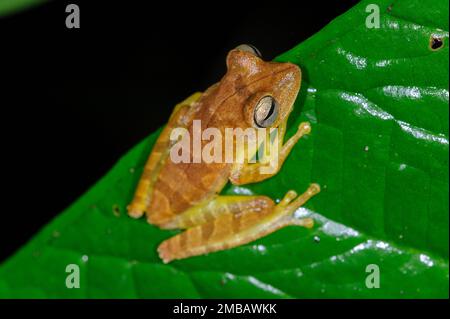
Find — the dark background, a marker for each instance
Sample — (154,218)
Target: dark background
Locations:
(74,100)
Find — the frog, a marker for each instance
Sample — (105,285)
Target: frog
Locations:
(186,196)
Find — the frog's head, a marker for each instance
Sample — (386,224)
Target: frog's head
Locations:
(266,90)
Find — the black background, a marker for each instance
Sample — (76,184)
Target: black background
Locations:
(74,100)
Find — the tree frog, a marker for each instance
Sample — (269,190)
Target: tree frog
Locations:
(252,94)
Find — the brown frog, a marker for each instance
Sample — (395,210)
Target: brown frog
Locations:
(185,195)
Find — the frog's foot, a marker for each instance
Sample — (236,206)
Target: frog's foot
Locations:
(303,129)
(229,230)
(290,203)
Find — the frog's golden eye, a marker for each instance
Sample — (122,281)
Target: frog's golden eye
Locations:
(266,111)
(249,48)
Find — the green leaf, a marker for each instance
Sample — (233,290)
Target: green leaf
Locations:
(378,101)
(8,7)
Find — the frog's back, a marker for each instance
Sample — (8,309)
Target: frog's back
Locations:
(180,186)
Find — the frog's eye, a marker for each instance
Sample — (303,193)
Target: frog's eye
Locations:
(249,48)
(266,111)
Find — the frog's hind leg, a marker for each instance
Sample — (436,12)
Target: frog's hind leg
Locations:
(212,208)
(229,230)
(180,118)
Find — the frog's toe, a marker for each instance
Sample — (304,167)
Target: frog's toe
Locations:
(304,128)
(135,211)
(164,252)
(288,197)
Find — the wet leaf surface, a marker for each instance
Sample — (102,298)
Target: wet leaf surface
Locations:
(378,102)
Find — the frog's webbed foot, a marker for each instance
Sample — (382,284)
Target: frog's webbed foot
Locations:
(228,230)
(290,203)
(251,173)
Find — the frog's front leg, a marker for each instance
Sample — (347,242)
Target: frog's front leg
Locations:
(230,227)
(251,173)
